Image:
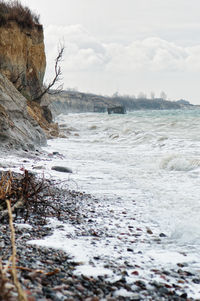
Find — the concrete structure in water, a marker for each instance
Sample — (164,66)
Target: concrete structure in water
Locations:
(117,110)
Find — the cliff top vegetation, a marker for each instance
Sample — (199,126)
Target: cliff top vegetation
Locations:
(22,15)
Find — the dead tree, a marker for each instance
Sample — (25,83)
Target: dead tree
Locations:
(56,79)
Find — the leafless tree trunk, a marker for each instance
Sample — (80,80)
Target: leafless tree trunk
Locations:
(56,79)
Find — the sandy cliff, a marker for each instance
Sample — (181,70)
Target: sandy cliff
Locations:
(22,57)
(23,122)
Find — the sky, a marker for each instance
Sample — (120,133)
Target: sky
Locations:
(124,46)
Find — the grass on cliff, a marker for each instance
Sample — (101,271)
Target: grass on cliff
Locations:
(22,15)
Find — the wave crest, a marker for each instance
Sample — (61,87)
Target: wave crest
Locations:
(179,163)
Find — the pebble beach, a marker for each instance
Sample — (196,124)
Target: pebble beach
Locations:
(49,270)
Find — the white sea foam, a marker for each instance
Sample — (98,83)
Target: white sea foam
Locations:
(144,163)
(156,154)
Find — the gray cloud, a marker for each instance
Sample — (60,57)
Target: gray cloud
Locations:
(125,45)
(82,51)
(85,52)
(142,65)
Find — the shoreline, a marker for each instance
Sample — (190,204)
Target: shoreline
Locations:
(59,279)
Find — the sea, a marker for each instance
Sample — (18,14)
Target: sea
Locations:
(151,157)
(143,167)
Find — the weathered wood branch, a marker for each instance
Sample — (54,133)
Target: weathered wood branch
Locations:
(56,79)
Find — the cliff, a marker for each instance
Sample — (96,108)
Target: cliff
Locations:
(23,122)
(22,57)
(74,102)
(18,129)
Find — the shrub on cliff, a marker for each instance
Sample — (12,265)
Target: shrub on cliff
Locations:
(22,15)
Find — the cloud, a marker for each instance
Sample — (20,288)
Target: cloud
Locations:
(152,54)
(151,64)
(193,58)
(83,52)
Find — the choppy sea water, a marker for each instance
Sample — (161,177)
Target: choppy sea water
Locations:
(146,163)
(152,157)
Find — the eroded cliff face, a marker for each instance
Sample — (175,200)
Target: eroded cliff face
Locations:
(22,57)
(18,129)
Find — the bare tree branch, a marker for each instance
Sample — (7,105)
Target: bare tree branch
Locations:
(56,79)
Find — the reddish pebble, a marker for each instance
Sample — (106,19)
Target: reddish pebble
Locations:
(135,273)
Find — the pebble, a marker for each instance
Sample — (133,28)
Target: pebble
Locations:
(130,250)
(162,235)
(38,167)
(196,280)
(149,231)
(50,273)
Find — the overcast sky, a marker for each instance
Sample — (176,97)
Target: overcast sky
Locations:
(129,46)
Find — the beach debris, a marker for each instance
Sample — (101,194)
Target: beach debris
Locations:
(9,282)
(27,194)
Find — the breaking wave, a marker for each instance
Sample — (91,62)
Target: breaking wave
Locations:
(179,163)
(152,157)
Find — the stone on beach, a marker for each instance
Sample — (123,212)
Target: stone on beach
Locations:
(61,169)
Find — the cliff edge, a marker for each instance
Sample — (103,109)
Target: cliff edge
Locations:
(22,50)
(23,121)
(22,58)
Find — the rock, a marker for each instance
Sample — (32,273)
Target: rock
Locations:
(130,250)
(36,111)
(136,273)
(39,167)
(162,235)
(196,280)
(92,299)
(18,130)
(149,231)
(56,153)
(141,284)
(2,244)
(47,114)
(184,296)
(61,169)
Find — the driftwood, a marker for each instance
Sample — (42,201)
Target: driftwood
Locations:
(9,286)
(27,194)
(17,205)
(21,294)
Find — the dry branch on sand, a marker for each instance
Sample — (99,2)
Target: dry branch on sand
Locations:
(27,195)
(5,286)
(21,194)
(10,288)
